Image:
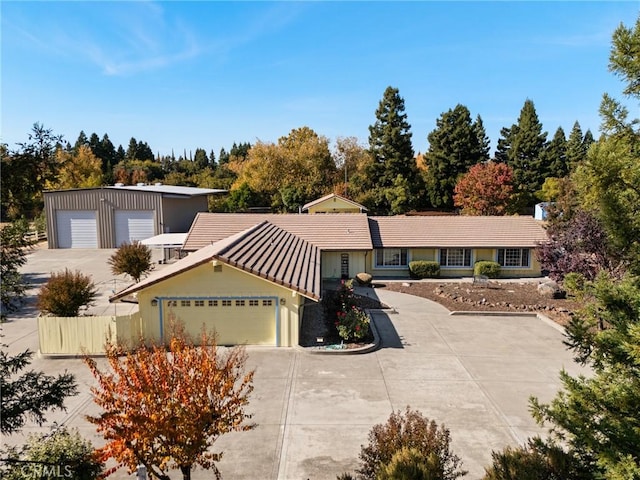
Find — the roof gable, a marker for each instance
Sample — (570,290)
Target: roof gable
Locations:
(333,197)
(263,250)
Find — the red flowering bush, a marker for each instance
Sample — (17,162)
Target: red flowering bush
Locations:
(352,324)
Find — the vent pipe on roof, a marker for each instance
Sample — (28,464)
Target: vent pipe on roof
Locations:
(119,184)
(141,184)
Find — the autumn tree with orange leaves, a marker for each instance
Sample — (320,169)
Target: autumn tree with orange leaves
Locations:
(165,406)
(485,189)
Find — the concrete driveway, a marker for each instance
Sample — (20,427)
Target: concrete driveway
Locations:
(472,373)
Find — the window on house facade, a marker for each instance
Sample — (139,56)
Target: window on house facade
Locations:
(455,257)
(514,257)
(254,303)
(239,303)
(185,303)
(267,303)
(226,303)
(392,257)
(172,303)
(213,303)
(199,303)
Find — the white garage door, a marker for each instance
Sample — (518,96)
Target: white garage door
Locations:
(133,225)
(77,229)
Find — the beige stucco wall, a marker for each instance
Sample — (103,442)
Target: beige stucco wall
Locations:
(333,205)
(478,254)
(255,325)
(331,263)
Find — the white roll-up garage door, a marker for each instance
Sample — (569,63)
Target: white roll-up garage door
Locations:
(76,229)
(133,225)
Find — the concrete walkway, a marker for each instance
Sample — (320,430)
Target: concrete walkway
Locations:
(472,373)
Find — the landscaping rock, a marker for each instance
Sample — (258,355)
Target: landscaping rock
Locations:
(364,278)
(550,289)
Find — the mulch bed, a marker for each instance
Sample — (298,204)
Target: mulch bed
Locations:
(494,296)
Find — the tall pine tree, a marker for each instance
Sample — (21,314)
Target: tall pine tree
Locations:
(455,145)
(393,156)
(555,156)
(522,147)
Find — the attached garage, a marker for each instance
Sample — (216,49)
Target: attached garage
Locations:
(77,229)
(249,290)
(236,320)
(133,225)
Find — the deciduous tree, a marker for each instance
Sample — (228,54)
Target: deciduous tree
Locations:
(485,189)
(65,292)
(26,171)
(133,258)
(164,407)
(79,168)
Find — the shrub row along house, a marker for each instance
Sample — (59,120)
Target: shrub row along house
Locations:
(249,275)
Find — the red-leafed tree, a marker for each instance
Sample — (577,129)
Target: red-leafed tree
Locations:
(485,189)
(165,406)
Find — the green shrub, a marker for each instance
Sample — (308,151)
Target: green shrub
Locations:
(487,268)
(352,324)
(65,293)
(410,464)
(574,283)
(64,453)
(424,269)
(134,259)
(410,430)
(534,461)
(364,278)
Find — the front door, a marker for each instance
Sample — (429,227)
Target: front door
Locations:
(344,265)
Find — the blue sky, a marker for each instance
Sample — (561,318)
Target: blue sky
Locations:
(183,75)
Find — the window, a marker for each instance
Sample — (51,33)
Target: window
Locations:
(391,257)
(514,257)
(239,303)
(455,257)
(213,303)
(254,303)
(267,303)
(226,303)
(185,303)
(199,303)
(172,303)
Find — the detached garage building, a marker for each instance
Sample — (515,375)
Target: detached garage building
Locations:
(106,217)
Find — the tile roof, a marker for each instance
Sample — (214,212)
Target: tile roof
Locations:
(455,231)
(331,231)
(330,196)
(264,250)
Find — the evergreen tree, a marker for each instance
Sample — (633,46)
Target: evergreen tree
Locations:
(223,158)
(120,154)
(201,159)
(576,148)
(522,149)
(483,139)
(391,149)
(82,141)
(455,145)
(555,156)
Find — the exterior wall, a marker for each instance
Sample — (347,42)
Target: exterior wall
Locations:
(104,201)
(232,323)
(333,205)
(178,213)
(477,254)
(331,263)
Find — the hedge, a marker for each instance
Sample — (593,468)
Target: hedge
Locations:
(486,268)
(424,269)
